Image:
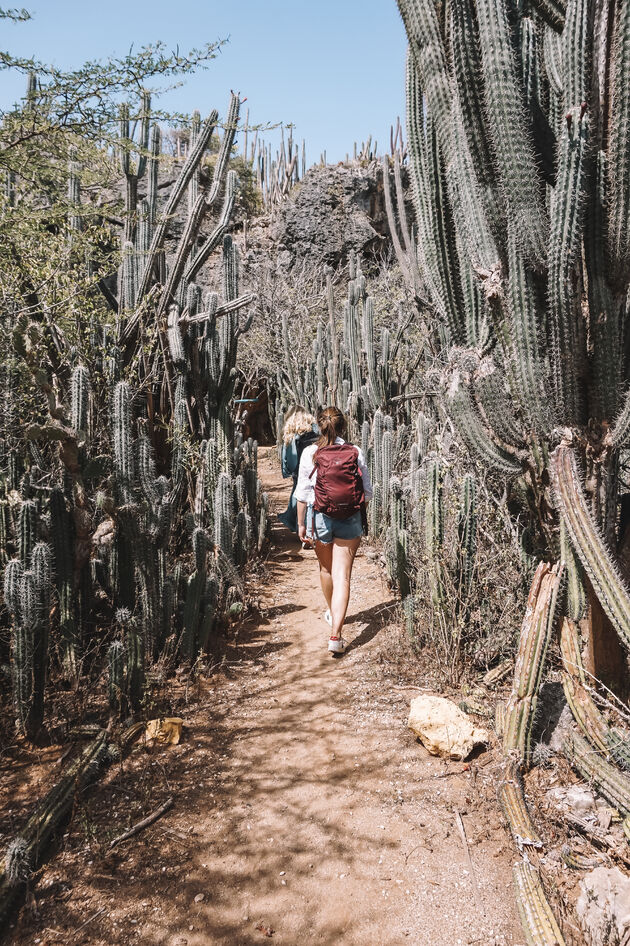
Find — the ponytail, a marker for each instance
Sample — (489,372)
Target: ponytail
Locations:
(332,424)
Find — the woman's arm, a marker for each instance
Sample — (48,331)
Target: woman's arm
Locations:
(365,473)
(304,489)
(301,517)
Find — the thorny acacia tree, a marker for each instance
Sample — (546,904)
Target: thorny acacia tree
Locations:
(69,116)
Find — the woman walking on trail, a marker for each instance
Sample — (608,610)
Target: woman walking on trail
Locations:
(332,489)
(300,431)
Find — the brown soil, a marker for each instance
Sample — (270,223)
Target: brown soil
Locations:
(305,811)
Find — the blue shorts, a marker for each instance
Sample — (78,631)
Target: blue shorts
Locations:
(327,529)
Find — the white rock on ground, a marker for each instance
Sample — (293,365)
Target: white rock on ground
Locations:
(603,907)
(443,728)
(575,798)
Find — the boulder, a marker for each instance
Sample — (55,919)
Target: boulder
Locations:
(334,211)
(443,729)
(603,907)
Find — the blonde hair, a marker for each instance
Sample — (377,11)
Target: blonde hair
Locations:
(299,421)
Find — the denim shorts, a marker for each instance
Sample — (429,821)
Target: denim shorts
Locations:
(327,529)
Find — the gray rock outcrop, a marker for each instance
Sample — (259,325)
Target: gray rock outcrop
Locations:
(332,212)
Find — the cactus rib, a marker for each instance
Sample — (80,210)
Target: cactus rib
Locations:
(537,920)
(587,541)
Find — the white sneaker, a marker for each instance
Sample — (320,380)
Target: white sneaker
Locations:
(337,645)
(328,616)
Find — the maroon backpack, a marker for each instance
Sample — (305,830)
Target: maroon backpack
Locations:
(339,484)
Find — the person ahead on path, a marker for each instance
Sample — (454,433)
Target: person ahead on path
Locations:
(300,431)
(332,489)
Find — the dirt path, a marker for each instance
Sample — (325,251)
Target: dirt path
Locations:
(303,804)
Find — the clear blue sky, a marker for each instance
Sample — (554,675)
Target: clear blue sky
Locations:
(335,68)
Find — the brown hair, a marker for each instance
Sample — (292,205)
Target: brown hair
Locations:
(332,424)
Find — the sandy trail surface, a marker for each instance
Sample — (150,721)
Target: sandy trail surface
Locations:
(305,810)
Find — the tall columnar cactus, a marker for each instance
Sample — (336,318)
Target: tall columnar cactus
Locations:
(503,107)
(224,515)
(467,536)
(434,529)
(80,401)
(123,442)
(517,135)
(62,534)
(27,528)
(27,592)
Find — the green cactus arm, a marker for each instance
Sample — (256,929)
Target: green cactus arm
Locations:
(536,633)
(174,338)
(537,919)
(596,558)
(431,253)
(218,232)
(190,166)
(606,311)
(128,281)
(429,55)
(467,69)
(621,428)
(75,222)
(466,418)
(567,338)
(509,131)
(543,137)
(123,442)
(146,471)
(193,187)
(576,594)
(401,254)
(80,399)
(13,573)
(594,767)
(230,127)
(529,364)
(27,530)
(353,343)
(512,801)
(552,54)
(619,153)
(577,39)
(230,269)
(579,697)
(552,12)
(123,146)
(145,129)
(429,195)
(496,406)
(155,145)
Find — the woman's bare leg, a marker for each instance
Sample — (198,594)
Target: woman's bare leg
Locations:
(343,553)
(324,554)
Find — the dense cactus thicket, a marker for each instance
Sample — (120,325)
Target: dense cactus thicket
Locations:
(129,502)
(519,154)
